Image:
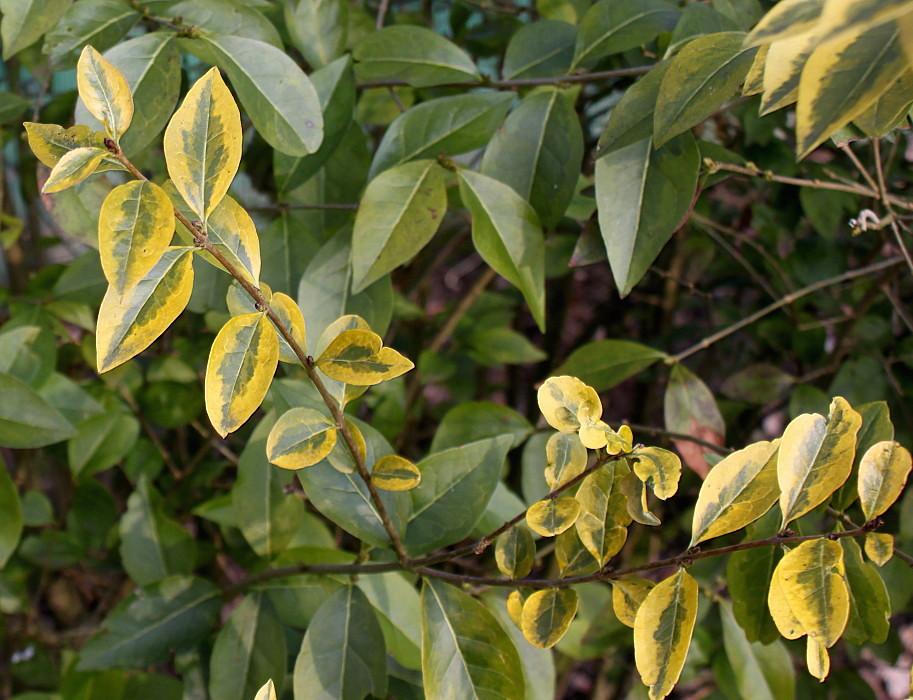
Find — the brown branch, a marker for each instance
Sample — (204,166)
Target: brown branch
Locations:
(525,82)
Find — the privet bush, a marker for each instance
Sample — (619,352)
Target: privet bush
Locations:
(376,525)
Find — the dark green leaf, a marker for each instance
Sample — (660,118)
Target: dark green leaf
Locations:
(11,523)
(101,442)
(606,363)
(99,23)
(615,26)
(543,49)
(632,119)
(397,608)
(475,420)
(26,419)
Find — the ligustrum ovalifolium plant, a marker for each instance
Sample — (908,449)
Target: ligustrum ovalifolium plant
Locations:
(384,533)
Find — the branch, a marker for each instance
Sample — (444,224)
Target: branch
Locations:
(785,301)
(526,82)
(203,242)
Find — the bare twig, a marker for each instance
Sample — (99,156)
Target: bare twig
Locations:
(526,82)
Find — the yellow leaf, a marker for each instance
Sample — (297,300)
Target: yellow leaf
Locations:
(267,692)
(787,18)
(105,92)
(566,458)
(563,400)
(73,167)
(300,438)
(736,492)
(817,659)
(515,552)
(635,492)
(343,323)
(879,547)
(358,357)
(851,16)
(135,226)
(49,143)
(547,615)
(129,322)
(395,473)
(292,320)
(241,366)
(662,632)
(596,435)
(627,435)
(659,469)
(603,517)
(754,81)
(628,594)
(815,458)
(809,590)
(883,473)
(515,607)
(552,516)
(341,458)
(203,144)
(785,61)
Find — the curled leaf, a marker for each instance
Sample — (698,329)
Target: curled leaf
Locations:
(564,400)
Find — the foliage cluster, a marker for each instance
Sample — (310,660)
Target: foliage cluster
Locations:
(317,322)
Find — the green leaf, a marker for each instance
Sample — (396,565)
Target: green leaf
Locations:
(507,234)
(631,120)
(613,26)
(538,152)
(300,438)
(417,55)
(456,486)
(841,79)
(542,49)
(889,111)
(465,651)
(275,92)
(552,516)
(99,23)
(515,552)
(876,427)
(335,86)
(249,649)
(25,21)
(764,672)
(173,614)
(324,293)
(101,442)
(700,79)
(397,607)
(73,167)
(151,65)
(759,384)
(26,419)
(129,323)
(736,492)
(606,363)
(398,214)
(473,420)
(662,632)
(748,575)
(870,606)
(502,346)
(153,546)
(231,17)
(12,106)
(318,29)
(698,19)
(690,409)
(809,594)
(135,226)
(241,366)
(12,521)
(28,353)
(448,125)
(815,458)
(342,655)
(643,195)
(547,615)
(267,516)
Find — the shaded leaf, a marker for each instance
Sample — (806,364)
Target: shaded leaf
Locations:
(26,21)
(515,552)
(12,521)
(764,672)
(318,29)
(547,615)
(395,473)
(628,594)
(690,409)
(612,26)
(870,606)
(539,50)
(552,516)
(300,438)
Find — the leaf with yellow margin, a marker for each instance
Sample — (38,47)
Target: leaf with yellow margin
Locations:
(787,18)
(515,607)
(241,366)
(628,594)
(395,473)
(50,142)
(358,357)
(659,469)
(203,144)
(129,322)
(598,434)
(662,632)
(566,458)
(852,16)
(599,526)
(879,547)
(783,68)
(341,459)
(635,492)
(300,438)
(812,592)
(883,473)
(73,167)
(267,692)
(135,226)
(552,516)
(563,400)
(736,492)
(817,659)
(292,320)
(105,92)
(547,615)
(573,558)
(515,552)
(815,458)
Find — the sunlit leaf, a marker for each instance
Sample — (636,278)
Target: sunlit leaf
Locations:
(628,594)
(787,18)
(73,167)
(659,469)
(552,516)
(300,438)
(358,357)
(879,547)
(292,320)
(603,520)
(105,92)
(547,615)
(395,473)
(817,659)
(563,399)
(883,474)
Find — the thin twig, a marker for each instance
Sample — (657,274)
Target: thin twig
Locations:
(785,301)
(526,82)
(848,521)
(879,171)
(845,147)
(653,430)
(285,206)
(382,10)
(149,430)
